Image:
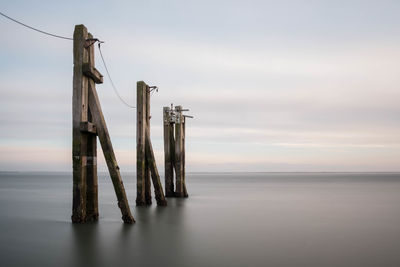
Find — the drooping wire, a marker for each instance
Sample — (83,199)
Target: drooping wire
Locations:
(111,81)
(32,28)
(68,38)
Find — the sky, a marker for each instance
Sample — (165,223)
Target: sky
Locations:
(272,85)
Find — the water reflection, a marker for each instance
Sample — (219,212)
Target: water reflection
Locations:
(86,246)
(229,220)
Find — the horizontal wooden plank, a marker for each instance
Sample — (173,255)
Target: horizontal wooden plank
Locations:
(92,72)
(88,127)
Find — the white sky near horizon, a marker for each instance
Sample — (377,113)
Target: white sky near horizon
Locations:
(273,85)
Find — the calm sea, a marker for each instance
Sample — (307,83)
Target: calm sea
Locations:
(229,219)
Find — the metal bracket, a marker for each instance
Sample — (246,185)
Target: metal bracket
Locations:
(175,115)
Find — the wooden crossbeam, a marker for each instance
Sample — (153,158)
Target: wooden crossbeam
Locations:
(88,127)
(92,72)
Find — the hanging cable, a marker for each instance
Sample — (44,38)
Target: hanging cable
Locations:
(111,81)
(68,38)
(32,28)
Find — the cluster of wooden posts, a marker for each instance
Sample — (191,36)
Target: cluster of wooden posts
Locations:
(89,123)
(174,150)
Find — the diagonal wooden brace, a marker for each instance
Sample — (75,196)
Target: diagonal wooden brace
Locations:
(158,190)
(109,155)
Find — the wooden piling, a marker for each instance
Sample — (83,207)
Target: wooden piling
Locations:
(185,194)
(79,114)
(92,210)
(168,156)
(179,192)
(147,181)
(172,148)
(88,122)
(140,143)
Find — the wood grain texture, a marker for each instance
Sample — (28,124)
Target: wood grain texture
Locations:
(168,156)
(185,193)
(178,154)
(158,190)
(109,155)
(79,114)
(92,72)
(88,127)
(147,180)
(92,209)
(140,142)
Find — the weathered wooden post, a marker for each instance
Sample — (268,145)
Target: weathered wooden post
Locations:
(147,183)
(169,152)
(174,151)
(178,152)
(88,123)
(185,194)
(79,114)
(140,143)
(145,162)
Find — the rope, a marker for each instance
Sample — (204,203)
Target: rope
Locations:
(111,81)
(32,28)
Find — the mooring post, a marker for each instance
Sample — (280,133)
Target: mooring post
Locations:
(179,192)
(88,122)
(140,142)
(79,114)
(185,194)
(145,162)
(92,210)
(168,156)
(147,181)
(174,150)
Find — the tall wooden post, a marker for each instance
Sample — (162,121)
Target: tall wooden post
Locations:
(79,114)
(185,194)
(147,182)
(168,156)
(174,150)
(140,143)
(178,152)
(88,122)
(145,161)
(92,210)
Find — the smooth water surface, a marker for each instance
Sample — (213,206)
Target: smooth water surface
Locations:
(230,219)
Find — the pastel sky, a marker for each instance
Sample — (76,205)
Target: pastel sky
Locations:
(273,85)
